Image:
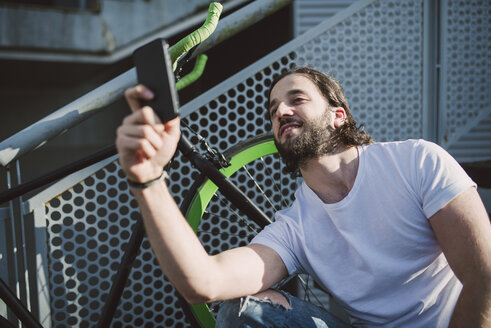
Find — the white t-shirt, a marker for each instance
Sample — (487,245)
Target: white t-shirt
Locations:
(375,250)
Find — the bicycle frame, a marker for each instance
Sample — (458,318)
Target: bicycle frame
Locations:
(230,192)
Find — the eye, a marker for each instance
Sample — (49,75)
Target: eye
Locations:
(273,112)
(297,100)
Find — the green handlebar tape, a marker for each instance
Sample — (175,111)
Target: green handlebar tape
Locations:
(198,69)
(198,36)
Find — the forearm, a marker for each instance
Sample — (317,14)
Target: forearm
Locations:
(176,246)
(473,309)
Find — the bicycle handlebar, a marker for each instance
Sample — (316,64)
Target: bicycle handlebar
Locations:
(198,36)
(197,71)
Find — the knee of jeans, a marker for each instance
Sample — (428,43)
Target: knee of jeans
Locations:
(275,297)
(258,309)
(228,313)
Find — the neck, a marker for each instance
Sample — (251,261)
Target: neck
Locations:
(332,176)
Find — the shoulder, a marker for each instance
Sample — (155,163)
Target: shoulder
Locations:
(430,156)
(412,149)
(400,146)
(412,158)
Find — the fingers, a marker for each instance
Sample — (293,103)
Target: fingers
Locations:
(137,145)
(144,144)
(145,115)
(146,132)
(142,132)
(135,95)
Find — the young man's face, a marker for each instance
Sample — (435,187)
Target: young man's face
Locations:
(303,121)
(295,100)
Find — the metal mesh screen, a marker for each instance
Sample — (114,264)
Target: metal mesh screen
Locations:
(309,13)
(376,54)
(88,228)
(468,64)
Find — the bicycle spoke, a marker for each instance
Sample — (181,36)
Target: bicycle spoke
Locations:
(260,189)
(276,186)
(240,218)
(306,288)
(226,203)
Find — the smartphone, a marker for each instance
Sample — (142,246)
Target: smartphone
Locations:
(154,70)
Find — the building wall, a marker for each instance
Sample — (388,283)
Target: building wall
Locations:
(114,24)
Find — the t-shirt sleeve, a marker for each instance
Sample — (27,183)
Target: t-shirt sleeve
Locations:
(440,177)
(280,237)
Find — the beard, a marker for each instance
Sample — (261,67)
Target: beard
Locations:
(314,141)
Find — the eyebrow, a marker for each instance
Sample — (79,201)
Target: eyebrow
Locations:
(289,93)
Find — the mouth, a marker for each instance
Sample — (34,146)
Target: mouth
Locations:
(287,128)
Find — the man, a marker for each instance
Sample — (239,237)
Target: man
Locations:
(395,231)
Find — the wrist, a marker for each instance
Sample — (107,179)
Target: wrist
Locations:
(143,185)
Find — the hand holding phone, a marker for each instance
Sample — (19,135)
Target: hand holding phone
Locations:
(154,70)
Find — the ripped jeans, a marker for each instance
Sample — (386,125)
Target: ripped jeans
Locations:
(250,311)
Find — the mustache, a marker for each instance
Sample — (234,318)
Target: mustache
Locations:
(287,120)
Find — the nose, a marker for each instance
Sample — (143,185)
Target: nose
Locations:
(283,110)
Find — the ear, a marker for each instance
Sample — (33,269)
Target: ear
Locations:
(339,116)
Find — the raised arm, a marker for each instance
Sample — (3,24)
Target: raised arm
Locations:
(145,146)
(463,231)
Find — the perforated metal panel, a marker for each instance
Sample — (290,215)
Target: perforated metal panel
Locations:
(467,64)
(309,13)
(90,225)
(374,49)
(88,228)
(376,54)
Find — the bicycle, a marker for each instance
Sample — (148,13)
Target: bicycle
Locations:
(216,172)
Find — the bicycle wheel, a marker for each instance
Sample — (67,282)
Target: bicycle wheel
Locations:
(256,169)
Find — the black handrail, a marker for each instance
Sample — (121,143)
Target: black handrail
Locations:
(57,174)
(17,307)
